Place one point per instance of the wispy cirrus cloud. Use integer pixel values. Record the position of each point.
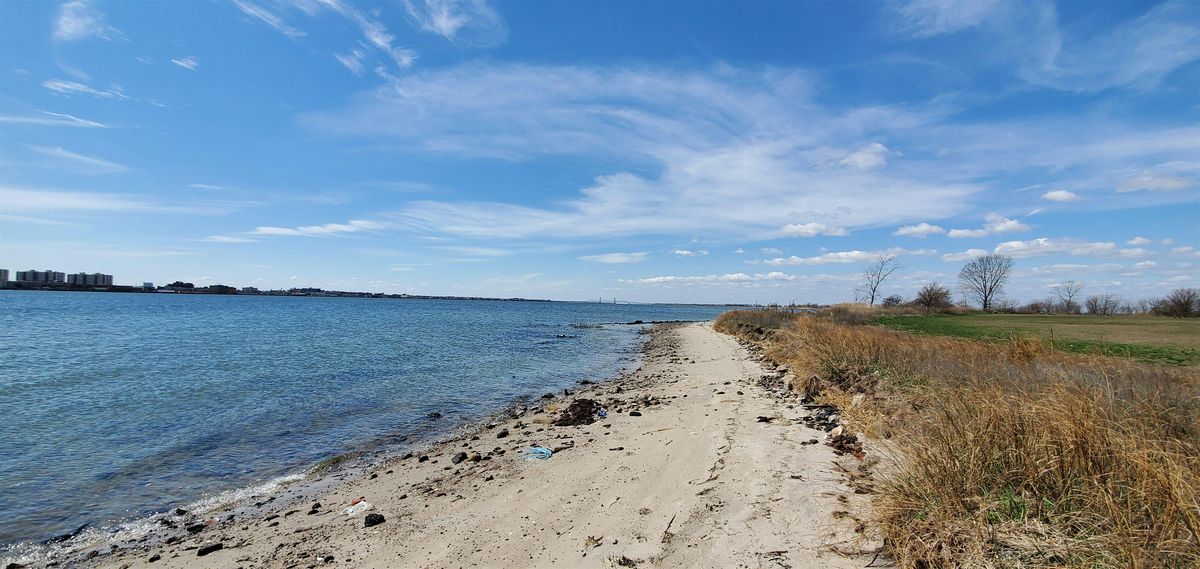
(227, 239)
(78, 20)
(81, 162)
(352, 226)
(267, 17)
(72, 87)
(616, 258)
(470, 22)
(48, 118)
(188, 63)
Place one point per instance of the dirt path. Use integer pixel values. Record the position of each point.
(697, 480)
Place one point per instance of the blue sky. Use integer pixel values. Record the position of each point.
(646, 151)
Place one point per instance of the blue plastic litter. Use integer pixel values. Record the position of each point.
(603, 413)
(538, 453)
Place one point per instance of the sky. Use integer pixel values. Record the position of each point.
(642, 151)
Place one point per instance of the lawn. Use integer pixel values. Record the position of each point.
(1154, 339)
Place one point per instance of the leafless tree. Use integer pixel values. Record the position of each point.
(874, 275)
(983, 279)
(1181, 302)
(1067, 293)
(1102, 304)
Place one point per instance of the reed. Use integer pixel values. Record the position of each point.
(1010, 454)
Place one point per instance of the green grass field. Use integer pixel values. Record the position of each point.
(1174, 341)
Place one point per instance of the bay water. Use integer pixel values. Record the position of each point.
(116, 406)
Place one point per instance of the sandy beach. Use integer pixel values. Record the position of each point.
(702, 461)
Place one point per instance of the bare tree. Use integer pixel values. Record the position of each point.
(983, 279)
(874, 275)
(1181, 302)
(1102, 304)
(1067, 293)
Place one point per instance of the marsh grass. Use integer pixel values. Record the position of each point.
(1012, 453)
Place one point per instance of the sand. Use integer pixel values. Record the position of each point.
(697, 480)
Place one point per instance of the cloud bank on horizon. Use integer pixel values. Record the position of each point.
(569, 151)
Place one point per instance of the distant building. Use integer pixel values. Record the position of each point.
(41, 277)
(90, 279)
(3, 278)
(148, 285)
(250, 290)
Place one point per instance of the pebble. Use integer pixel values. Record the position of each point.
(206, 549)
(373, 520)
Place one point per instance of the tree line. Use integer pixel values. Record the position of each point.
(982, 280)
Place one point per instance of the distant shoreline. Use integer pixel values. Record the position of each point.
(330, 294)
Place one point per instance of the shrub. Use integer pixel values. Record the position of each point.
(933, 296)
(894, 300)
(1180, 303)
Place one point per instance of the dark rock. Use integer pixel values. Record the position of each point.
(154, 558)
(270, 517)
(459, 458)
(548, 396)
(579, 412)
(423, 458)
(434, 415)
(316, 506)
(406, 456)
(762, 419)
(206, 549)
(65, 536)
(503, 433)
(476, 457)
(14, 566)
(373, 476)
(635, 413)
(373, 520)
(180, 512)
(194, 528)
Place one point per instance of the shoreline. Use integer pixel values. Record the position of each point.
(681, 472)
(277, 494)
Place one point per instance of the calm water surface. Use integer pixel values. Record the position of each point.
(115, 406)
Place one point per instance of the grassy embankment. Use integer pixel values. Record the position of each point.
(1008, 454)
(1152, 339)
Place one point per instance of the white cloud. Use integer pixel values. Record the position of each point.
(468, 22)
(267, 17)
(1054, 246)
(812, 230)
(616, 258)
(52, 119)
(226, 239)
(836, 257)
(1152, 182)
(994, 224)
(964, 255)
(81, 162)
(868, 157)
(188, 63)
(689, 253)
(69, 87)
(739, 251)
(32, 201)
(352, 60)
(79, 20)
(925, 18)
(770, 251)
(477, 251)
(1146, 265)
(1139, 241)
(919, 230)
(1186, 251)
(352, 226)
(1061, 196)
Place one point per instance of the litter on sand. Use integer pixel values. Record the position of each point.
(539, 453)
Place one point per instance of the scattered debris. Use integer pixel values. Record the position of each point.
(580, 412)
(538, 453)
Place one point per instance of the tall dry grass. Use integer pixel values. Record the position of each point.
(1013, 455)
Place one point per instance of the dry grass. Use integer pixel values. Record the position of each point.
(1012, 454)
